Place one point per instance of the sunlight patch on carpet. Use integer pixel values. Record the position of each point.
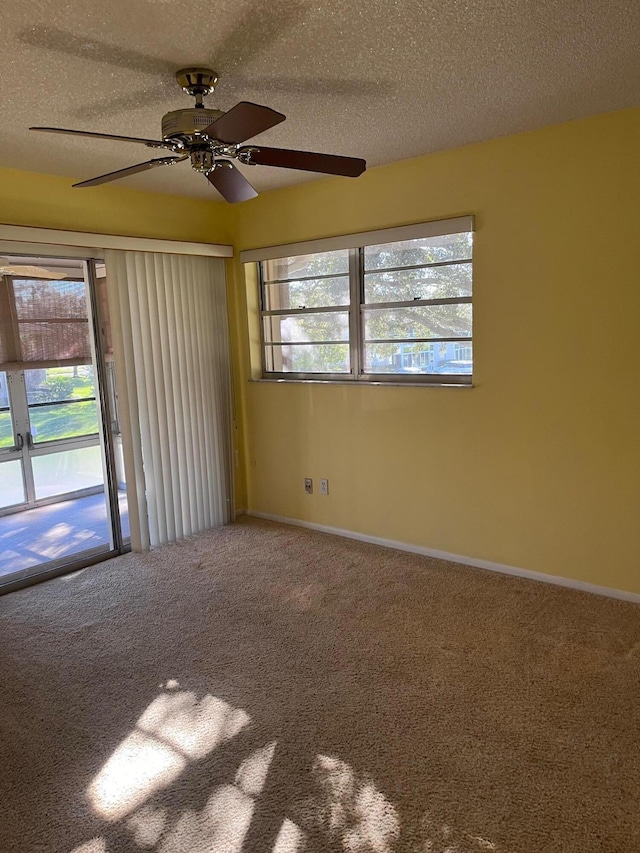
(147, 825)
(96, 845)
(439, 836)
(350, 809)
(252, 773)
(221, 826)
(175, 729)
(290, 838)
(190, 726)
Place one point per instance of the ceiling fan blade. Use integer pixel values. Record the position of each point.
(308, 161)
(242, 122)
(230, 182)
(152, 143)
(131, 170)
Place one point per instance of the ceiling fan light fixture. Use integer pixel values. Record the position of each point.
(202, 160)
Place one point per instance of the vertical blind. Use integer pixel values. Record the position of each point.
(171, 348)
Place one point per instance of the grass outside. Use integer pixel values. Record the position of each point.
(64, 420)
(77, 416)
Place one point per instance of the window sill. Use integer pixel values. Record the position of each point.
(357, 382)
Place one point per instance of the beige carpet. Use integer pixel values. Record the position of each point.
(265, 689)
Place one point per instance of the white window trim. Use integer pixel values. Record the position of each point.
(437, 228)
(26, 239)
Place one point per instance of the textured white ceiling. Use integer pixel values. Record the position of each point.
(379, 79)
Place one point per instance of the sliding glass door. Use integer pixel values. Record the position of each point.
(59, 499)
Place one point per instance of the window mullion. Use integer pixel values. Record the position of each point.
(355, 291)
(263, 348)
(291, 312)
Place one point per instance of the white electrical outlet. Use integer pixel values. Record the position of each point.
(308, 485)
(324, 487)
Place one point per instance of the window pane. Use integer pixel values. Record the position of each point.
(68, 471)
(427, 250)
(63, 420)
(6, 427)
(310, 293)
(11, 483)
(406, 358)
(55, 384)
(432, 321)
(46, 300)
(332, 326)
(59, 341)
(6, 430)
(309, 358)
(302, 266)
(450, 282)
(4, 390)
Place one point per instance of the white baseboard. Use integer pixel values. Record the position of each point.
(453, 558)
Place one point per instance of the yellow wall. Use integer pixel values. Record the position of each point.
(49, 201)
(538, 465)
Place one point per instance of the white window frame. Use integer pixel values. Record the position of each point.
(356, 243)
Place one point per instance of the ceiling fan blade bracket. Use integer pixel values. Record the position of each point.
(170, 161)
(172, 144)
(222, 150)
(244, 154)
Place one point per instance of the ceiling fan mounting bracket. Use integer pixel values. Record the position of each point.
(196, 80)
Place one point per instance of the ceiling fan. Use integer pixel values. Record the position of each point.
(27, 271)
(211, 139)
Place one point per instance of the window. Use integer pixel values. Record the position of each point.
(306, 301)
(389, 310)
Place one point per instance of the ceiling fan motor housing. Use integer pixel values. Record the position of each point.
(188, 123)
